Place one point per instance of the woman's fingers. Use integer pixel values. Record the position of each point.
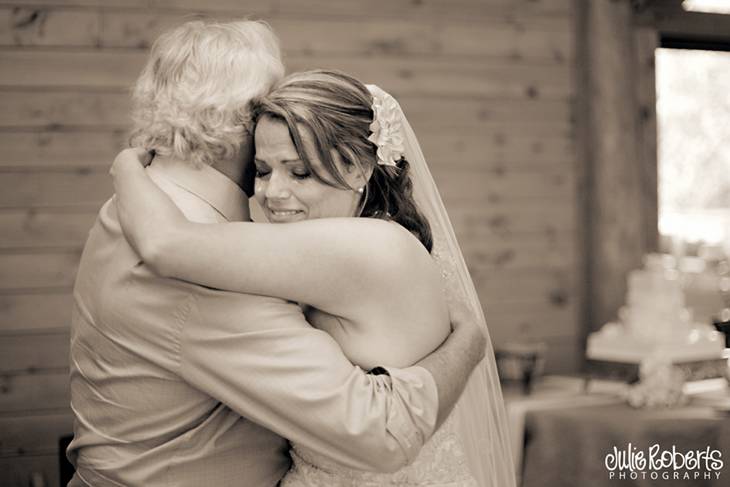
(133, 155)
(145, 156)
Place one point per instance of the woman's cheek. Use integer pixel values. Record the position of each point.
(259, 188)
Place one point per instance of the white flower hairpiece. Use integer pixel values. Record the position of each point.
(386, 128)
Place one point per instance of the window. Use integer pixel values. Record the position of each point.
(693, 116)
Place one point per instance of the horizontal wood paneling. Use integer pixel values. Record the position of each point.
(551, 287)
(541, 13)
(45, 27)
(29, 353)
(44, 228)
(496, 186)
(53, 110)
(492, 38)
(78, 188)
(414, 11)
(79, 69)
(25, 392)
(79, 3)
(30, 313)
(117, 69)
(38, 270)
(443, 77)
(474, 115)
(498, 149)
(522, 254)
(445, 9)
(60, 149)
(518, 42)
(449, 10)
(527, 218)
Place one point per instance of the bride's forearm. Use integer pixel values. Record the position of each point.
(150, 221)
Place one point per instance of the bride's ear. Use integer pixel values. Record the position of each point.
(358, 176)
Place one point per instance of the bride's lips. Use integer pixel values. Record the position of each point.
(280, 215)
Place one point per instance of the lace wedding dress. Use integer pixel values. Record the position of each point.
(441, 463)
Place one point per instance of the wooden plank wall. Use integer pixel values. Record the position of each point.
(488, 86)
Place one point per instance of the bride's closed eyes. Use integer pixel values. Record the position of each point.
(286, 188)
(296, 169)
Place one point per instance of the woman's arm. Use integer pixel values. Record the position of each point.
(334, 265)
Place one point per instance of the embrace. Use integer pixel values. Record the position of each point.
(340, 344)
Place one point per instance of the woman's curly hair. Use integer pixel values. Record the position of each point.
(192, 99)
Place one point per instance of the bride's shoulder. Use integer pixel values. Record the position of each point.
(385, 239)
(393, 253)
(372, 247)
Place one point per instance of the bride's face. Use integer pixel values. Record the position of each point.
(285, 189)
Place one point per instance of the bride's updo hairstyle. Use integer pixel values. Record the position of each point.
(337, 110)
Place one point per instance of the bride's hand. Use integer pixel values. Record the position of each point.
(131, 158)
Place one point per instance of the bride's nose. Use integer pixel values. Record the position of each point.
(278, 186)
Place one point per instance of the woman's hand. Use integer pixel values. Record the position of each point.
(131, 158)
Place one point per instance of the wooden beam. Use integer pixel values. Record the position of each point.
(581, 115)
(646, 42)
(616, 239)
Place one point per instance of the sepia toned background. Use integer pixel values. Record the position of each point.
(506, 96)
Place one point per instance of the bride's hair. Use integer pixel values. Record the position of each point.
(337, 110)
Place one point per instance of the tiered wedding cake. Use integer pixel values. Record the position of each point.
(655, 322)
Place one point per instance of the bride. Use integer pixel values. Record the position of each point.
(329, 148)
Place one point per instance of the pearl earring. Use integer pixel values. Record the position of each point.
(361, 189)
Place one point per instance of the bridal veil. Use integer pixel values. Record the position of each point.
(480, 417)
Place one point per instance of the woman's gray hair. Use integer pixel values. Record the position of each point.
(192, 99)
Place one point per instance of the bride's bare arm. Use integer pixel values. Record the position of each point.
(334, 265)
